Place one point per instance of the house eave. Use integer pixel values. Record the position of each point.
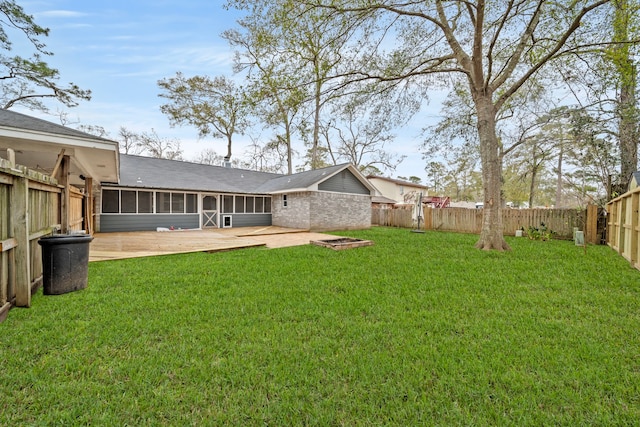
(90, 158)
(293, 190)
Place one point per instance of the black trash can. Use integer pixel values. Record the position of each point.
(65, 263)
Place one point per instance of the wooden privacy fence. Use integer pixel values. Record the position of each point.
(624, 226)
(393, 217)
(31, 206)
(463, 220)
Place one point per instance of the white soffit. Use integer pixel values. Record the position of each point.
(94, 158)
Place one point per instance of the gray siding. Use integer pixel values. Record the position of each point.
(344, 182)
(141, 222)
(248, 220)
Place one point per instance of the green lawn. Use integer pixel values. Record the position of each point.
(419, 329)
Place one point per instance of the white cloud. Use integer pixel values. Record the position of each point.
(61, 14)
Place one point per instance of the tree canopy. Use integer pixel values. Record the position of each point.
(214, 106)
(496, 47)
(28, 81)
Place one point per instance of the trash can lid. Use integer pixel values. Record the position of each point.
(63, 239)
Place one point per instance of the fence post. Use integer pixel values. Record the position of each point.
(427, 214)
(634, 253)
(88, 205)
(19, 218)
(65, 200)
(591, 225)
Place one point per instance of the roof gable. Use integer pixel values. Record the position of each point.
(312, 180)
(344, 182)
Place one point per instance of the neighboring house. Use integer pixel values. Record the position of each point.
(164, 193)
(403, 192)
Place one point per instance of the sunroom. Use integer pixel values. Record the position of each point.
(129, 209)
(157, 194)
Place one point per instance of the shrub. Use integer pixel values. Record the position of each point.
(539, 233)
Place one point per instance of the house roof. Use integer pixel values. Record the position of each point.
(153, 173)
(22, 121)
(37, 144)
(383, 199)
(398, 181)
(148, 172)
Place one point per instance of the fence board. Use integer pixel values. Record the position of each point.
(18, 201)
(392, 217)
(76, 202)
(463, 220)
(29, 209)
(6, 285)
(592, 234)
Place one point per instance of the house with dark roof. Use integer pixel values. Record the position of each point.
(134, 193)
(159, 193)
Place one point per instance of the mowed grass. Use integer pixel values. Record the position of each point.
(419, 329)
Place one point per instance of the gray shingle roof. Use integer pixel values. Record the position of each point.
(148, 172)
(21, 121)
(382, 199)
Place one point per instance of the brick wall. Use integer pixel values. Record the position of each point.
(322, 211)
(295, 214)
(340, 211)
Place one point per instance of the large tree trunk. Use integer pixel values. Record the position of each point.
(315, 161)
(628, 133)
(227, 158)
(284, 112)
(627, 109)
(532, 185)
(288, 142)
(534, 175)
(559, 177)
(491, 236)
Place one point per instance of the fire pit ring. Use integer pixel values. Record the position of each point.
(342, 243)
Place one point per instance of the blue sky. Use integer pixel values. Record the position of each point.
(120, 49)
